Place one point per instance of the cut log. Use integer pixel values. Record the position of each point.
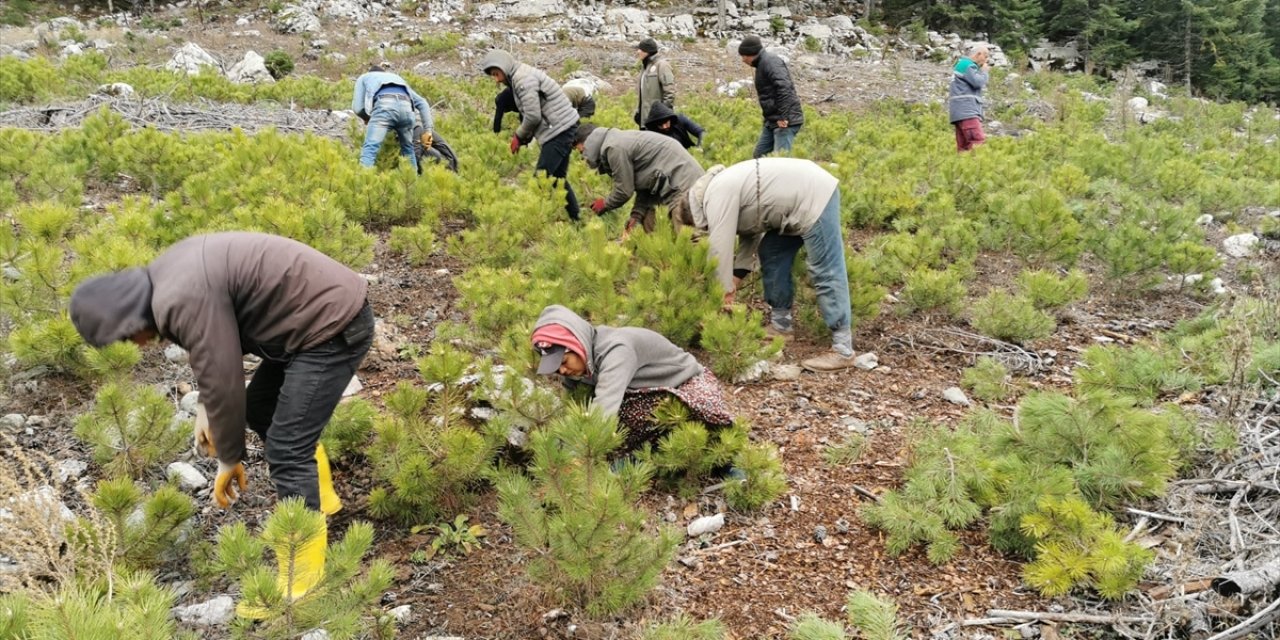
(1249, 581)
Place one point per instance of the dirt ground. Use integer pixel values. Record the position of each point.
(761, 569)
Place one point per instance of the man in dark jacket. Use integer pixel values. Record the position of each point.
(783, 116)
(653, 167)
(224, 295)
(664, 120)
(545, 114)
(964, 105)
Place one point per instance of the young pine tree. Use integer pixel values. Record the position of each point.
(147, 541)
(132, 429)
(736, 341)
(345, 601)
(580, 517)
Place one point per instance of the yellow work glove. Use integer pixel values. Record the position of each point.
(223, 492)
(427, 139)
(203, 438)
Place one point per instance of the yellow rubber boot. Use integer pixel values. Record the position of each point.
(330, 503)
(298, 572)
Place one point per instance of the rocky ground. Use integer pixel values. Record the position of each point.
(757, 571)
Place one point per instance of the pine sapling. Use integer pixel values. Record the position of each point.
(988, 379)
(1012, 318)
(132, 429)
(1078, 547)
(147, 527)
(415, 243)
(874, 617)
(763, 480)
(1047, 290)
(349, 429)
(736, 341)
(811, 626)
(580, 516)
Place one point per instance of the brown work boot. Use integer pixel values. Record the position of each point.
(829, 361)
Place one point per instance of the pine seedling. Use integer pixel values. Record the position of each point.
(1012, 318)
(1038, 225)
(132, 429)
(581, 519)
(845, 452)
(811, 626)
(672, 286)
(988, 379)
(928, 289)
(147, 527)
(442, 368)
(764, 479)
(874, 617)
(681, 627)
(1048, 291)
(345, 601)
(47, 222)
(415, 243)
(865, 295)
(1078, 547)
(51, 342)
(736, 341)
(349, 428)
(906, 522)
(1141, 372)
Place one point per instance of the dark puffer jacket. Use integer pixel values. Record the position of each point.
(685, 131)
(778, 99)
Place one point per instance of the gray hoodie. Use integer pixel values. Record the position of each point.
(622, 359)
(967, 82)
(545, 112)
(640, 161)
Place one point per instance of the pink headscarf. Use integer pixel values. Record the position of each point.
(553, 333)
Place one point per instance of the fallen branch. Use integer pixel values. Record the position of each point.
(1157, 516)
(1255, 622)
(1169, 590)
(1250, 581)
(865, 493)
(1087, 618)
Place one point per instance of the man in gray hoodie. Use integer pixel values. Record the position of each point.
(545, 115)
(964, 105)
(653, 167)
(221, 296)
(772, 207)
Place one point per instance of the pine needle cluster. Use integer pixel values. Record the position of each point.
(147, 527)
(683, 627)
(736, 341)
(988, 379)
(1012, 318)
(868, 615)
(132, 429)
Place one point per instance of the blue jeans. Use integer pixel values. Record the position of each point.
(824, 243)
(776, 139)
(389, 114)
(289, 402)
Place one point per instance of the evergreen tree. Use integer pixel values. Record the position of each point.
(1102, 28)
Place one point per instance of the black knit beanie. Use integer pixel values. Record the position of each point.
(751, 46)
(648, 45)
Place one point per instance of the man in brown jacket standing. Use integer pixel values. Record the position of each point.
(224, 295)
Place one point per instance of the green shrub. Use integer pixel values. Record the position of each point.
(690, 450)
(874, 617)
(1080, 547)
(415, 243)
(590, 545)
(132, 429)
(1048, 291)
(131, 605)
(1142, 372)
(811, 626)
(934, 290)
(763, 480)
(279, 63)
(1011, 318)
(349, 429)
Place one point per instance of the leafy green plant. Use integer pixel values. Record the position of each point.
(455, 536)
(132, 429)
(579, 516)
(876, 618)
(1014, 318)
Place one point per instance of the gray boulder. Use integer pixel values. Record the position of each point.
(190, 59)
(296, 18)
(252, 69)
(211, 613)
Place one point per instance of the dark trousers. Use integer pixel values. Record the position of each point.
(554, 159)
(288, 403)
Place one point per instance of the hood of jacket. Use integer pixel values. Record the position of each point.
(577, 325)
(591, 150)
(500, 59)
(697, 195)
(657, 113)
(112, 307)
